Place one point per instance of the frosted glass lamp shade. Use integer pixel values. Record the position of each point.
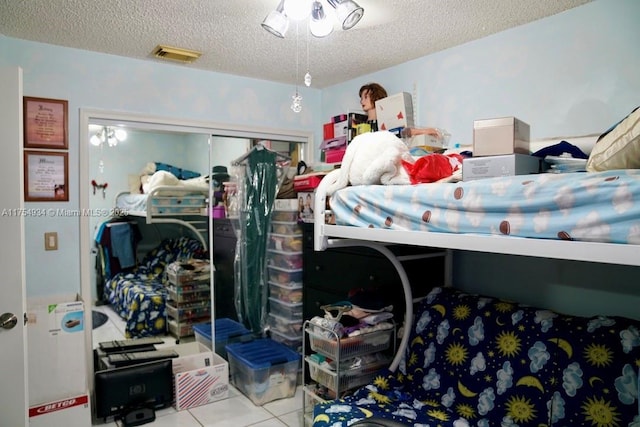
(319, 25)
(348, 11)
(276, 21)
(297, 9)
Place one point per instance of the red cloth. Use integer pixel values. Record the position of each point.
(432, 167)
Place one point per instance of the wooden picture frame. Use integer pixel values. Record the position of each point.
(46, 123)
(46, 176)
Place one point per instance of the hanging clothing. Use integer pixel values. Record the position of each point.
(261, 180)
(122, 245)
(117, 242)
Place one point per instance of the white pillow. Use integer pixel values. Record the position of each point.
(134, 184)
(619, 148)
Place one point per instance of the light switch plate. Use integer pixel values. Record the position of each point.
(51, 241)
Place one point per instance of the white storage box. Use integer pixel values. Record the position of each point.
(494, 137)
(70, 412)
(493, 166)
(201, 376)
(395, 111)
(56, 339)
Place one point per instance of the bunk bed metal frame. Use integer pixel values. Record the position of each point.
(328, 236)
(199, 227)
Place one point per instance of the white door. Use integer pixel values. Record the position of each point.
(13, 341)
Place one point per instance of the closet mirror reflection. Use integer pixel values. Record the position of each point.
(127, 165)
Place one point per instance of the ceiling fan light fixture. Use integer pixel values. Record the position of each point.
(319, 25)
(276, 21)
(348, 11)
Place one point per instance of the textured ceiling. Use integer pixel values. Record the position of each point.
(232, 41)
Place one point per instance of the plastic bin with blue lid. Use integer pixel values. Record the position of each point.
(227, 331)
(263, 370)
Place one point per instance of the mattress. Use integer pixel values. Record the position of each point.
(189, 203)
(581, 206)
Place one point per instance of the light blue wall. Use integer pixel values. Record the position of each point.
(570, 74)
(574, 73)
(106, 82)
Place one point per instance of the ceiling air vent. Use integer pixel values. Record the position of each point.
(176, 53)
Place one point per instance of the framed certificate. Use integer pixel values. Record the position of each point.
(46, 176)
(45, 123)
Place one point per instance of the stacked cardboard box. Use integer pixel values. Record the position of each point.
(500, 148)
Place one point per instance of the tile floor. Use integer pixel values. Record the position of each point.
(235, 411)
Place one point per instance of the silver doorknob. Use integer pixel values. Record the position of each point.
(8, 320)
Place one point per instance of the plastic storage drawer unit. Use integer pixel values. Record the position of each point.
(348, 347)
(284, 325)
(282, 276)
(228, 331)
(263, 370)
(291, 294)
(286, 310)
(293, 341)
(281, 227)
(284, 260)
(351, 374)
(285, 242)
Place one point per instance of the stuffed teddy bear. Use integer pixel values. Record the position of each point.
(373, 158)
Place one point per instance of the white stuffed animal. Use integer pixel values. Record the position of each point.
(373, 158)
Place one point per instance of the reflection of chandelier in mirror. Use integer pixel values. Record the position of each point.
(111, 136)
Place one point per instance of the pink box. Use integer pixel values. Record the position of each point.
(334, 156)
(218, 212)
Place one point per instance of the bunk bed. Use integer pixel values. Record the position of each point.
(186, 205)
(596, 219)
(582, 216)
(139, 294)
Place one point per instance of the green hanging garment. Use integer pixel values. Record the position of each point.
(257, 190)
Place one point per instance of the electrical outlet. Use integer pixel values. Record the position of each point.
(51, 241)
